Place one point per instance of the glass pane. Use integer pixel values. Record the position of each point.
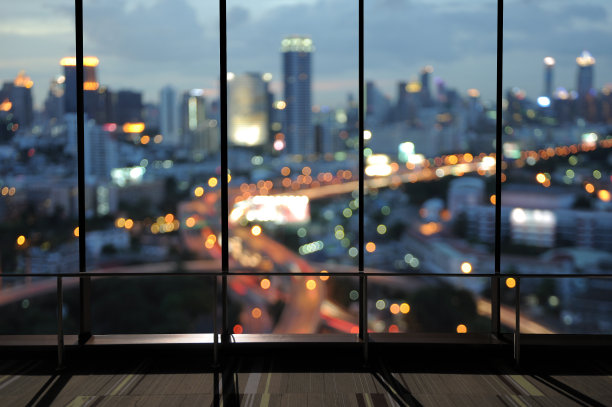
(430, 132)
(559, 306)
(293, 138)
(556, 202)
(152, 305)
(421, 305)
(38, 205)
(293, 305)
(152, 150)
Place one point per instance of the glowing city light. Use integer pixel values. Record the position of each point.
(212, 182)
(394, 309)
(190, 222)
(256, 313)
(510, 282)
(404, 308)
(198, 192)
(466, 267)
(75, 232)
(461, 329)
(543, 101)
(133, 128)
(311, 285)
(549, 61)
(324, 278)
(21, 240)
(585, 59)
(265, 283)
(604, 195)
(256, 230)
(87, 61)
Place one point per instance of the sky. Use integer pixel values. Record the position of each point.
(147, 44)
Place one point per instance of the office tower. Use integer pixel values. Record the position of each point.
(90, 84)
(128, 107)
(586, 64)
(198, 133)
(426, 99)
(19, 96)
(101, 153)
(54, 103)
(168, 115)
(297, 52)
(248, 110)
(549, 65)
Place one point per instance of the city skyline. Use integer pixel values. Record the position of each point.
(158, 61)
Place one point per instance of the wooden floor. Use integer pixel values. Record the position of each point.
(436, 379)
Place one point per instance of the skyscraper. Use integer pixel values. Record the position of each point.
(299, 135)
(168, 112)
(248, 110)
(426, 99)
(20, 95)
(549, 65)
(90, 84)
(586, 64)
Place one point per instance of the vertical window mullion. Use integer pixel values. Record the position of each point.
(495, 282)
(224, 165)
(84, 283)
(363, 303)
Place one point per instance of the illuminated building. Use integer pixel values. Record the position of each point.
(101, 153)
(16, 97)
(54, 106)
(586, 64)
(198, 133)
(168, 115)
(297, 52)
(248, 110)
(549, 65)
(90, 84)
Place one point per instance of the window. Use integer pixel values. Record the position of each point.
(162, 133)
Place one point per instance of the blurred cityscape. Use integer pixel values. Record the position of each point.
(153, 201)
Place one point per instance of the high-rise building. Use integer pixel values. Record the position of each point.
(128, 107)
(299, 136)
(248, 110)
(90, 85)
(168, 115)
(101, 153)
(549, 66)
(19, 94)
(54, 106)
(586, 64)
(426, 99)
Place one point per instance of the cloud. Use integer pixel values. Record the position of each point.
(166, 30)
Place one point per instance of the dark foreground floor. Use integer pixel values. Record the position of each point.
(254, 377)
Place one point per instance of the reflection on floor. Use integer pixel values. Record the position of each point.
(287, 378)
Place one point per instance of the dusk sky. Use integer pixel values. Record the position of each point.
(144, 45)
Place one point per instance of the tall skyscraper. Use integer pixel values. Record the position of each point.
(20, 95)
(299, 135)
(426, 99)
(90, 84)
(586, 64)
(248, 110)
(549, 66)
(168, 115)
